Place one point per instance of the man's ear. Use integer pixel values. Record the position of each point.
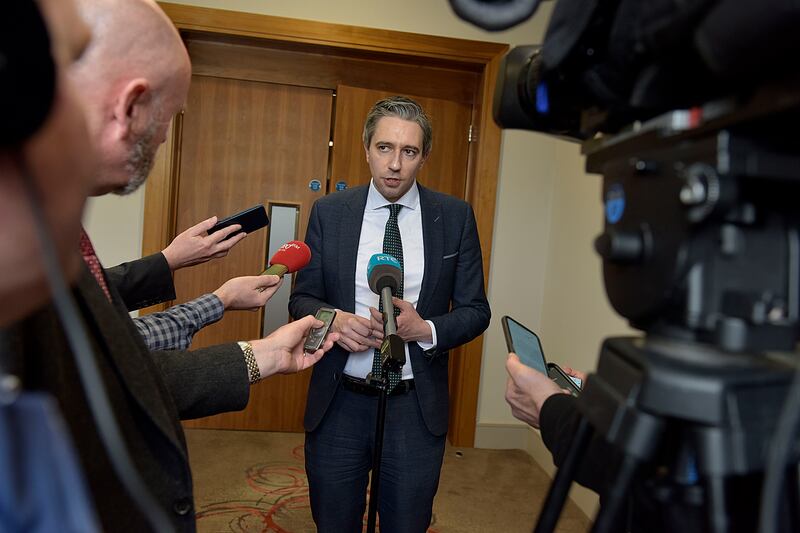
(366, 152)
(129, 104)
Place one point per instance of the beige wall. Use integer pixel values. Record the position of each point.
(543, 270)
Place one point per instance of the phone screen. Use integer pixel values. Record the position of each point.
(526, 345)
(326, 315)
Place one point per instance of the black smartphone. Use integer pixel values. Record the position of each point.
(317, 335)
(526, 344)
(250, 220)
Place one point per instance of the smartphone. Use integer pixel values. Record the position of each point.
(317, 335)
(250, 220)
(526, 344)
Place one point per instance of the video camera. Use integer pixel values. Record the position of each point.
(690, 111)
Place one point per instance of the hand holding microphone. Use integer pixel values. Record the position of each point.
(289, 258)
(384, 275)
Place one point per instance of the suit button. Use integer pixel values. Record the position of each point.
(182, 507)
(335, 376)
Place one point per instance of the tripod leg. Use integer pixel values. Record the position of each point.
(557, 495)
(792, 500)
(717, 508)
(375, 478)
(608, 514)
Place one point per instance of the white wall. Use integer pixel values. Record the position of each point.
(543, 270)
(115, 224)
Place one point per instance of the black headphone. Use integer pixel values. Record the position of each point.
(27, 71)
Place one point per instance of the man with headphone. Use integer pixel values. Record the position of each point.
(123, 403)
(43, 144)
(46, 161)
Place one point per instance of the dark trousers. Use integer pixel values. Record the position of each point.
(339, 458)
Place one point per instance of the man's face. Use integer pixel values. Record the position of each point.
(60, 163)
(145, 143)
(395, 156)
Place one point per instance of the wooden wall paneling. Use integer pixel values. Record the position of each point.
(248, 143)
(327, 70)
(481, 193)
(160, 197)
(281, 29)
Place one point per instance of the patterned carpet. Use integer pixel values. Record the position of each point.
(248, 481)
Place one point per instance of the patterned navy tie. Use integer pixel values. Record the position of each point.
(392, 245)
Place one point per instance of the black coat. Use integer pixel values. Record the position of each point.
(148, 392)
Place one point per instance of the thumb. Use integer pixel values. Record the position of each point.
(512, 363)
(267, 280)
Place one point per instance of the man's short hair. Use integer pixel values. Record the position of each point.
(403, 108)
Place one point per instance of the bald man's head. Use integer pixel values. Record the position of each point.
(134, 78)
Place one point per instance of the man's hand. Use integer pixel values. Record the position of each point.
(575, 373)
(526, 390)
(248, 293)
(195, 246)
(355, 333)
(282, 351)
(410, 326)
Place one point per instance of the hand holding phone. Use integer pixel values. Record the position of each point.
(317, 335)
(250, 220)
(525, 343)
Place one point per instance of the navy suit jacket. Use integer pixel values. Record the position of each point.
(452, 294)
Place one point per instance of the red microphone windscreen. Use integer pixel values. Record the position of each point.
(294, 255)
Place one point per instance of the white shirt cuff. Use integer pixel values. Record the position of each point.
(428, 345)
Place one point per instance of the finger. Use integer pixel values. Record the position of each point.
(308, 322)
(230, 243)
(377, 315)
(310, 359)
(402, 304)
(219, 236)
(204, 226)
(361, 326)
(330, 339)
(349, 344)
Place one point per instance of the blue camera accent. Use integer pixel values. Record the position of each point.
(615, 203)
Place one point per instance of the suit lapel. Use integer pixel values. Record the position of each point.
(433, 242)
(125, 352)
(352, 215)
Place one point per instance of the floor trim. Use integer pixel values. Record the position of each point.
(509, 436)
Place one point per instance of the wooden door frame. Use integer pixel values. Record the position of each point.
(482, 58)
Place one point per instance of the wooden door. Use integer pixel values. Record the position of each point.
(246, 143)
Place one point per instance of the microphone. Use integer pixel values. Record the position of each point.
(384, 275)
(289, 258)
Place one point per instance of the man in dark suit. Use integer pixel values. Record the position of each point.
(443, 305)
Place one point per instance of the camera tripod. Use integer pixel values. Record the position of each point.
(701, 251)
(692, 425)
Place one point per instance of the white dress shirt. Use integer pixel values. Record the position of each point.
(373, 226)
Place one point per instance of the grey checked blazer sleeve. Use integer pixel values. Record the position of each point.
(174, 328)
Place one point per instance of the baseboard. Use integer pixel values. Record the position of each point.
(505, 436)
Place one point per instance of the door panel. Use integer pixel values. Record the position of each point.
(246, 143)
(446, 168)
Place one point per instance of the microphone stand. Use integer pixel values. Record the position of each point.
(393, 357)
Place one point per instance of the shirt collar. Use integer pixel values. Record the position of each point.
(375, 200)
